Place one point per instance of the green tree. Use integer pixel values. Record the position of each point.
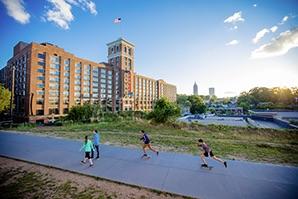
(5, 95)
(84, 113)
(164, 110)
(197, 104)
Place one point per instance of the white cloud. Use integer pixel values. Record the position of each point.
(15, 9)
(273, 28)
(255, 5)
(234, 28)
(92, 7)
(236, 17)
(284, 19)
(232, 43)
(278, 46)
(259, 35)
(61, 13)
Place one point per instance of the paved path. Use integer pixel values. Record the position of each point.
(171, 172)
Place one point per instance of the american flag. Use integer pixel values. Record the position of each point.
(117, 20)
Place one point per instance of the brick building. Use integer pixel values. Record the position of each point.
(48, 81)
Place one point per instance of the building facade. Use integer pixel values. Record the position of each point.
(47, 81)
(195, 89)
(211, 92)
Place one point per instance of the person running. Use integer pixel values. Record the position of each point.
(206, 151)
(88, 147)
(146, 144)
(96, 141)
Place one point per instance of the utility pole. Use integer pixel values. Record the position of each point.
(12, 92)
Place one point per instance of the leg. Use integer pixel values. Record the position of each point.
(92, 153)
(203, 158)
(90, 161)
(155, 151)
(144, 148)
(218, 159)
(97, 151)
(149, 146)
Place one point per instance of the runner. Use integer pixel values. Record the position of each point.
(206, 151)
(88, 147)
(146, 144)
(96, 141)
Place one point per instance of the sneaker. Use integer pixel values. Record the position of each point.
(225, 163)
(144, 155)
(204, 165)
(91, 165)
(83, 162)
(157, 153)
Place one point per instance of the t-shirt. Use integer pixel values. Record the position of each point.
(96, 138)
(87, 146)
(145, 139)
(206, 148)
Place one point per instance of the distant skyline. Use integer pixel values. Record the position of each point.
(230, 45)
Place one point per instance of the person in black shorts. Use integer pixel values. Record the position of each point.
(146, 144)
(206, 151)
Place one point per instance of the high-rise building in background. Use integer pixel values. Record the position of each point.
(211, 92)
(195, 89)
(48, 81)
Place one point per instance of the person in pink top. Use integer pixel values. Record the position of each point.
(206, 151)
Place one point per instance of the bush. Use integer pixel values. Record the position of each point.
(164, 111)
(85, 113)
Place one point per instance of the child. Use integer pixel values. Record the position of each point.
(206, 151)
(96, 141)
(146, 144)
(88, 147)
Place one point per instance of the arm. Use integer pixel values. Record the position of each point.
(82, 147)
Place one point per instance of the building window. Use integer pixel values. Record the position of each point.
(40, 78)
(39, 101)
(40, 85)
(41, 56)
(65, 111)
(53, 111)
(40, 70)
(41, 63)
(39, 112)
(66, 62)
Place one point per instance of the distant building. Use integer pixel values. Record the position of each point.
(211, 92)
(195, 89)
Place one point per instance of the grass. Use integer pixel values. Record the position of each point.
(17, 183)
(265, 145)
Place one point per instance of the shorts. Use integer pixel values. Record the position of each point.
(146, 143)
(206, 154)
(87, 155)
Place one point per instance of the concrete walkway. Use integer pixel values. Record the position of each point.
(171, 172)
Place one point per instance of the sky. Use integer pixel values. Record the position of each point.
(231, 45)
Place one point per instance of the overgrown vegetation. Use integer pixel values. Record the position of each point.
(269, 98)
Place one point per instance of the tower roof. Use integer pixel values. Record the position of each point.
(119, 40)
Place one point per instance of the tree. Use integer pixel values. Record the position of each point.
(84, 113)
(5, 95)
(164, 110)
(197, 104)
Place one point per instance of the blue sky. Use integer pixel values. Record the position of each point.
(231, 45)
